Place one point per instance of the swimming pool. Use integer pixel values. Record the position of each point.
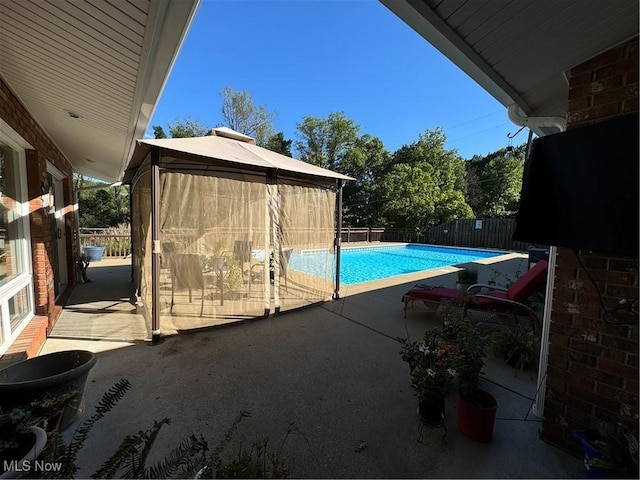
(364, 264)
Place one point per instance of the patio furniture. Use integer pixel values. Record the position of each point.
(186, 273)
(496, 301)
(285, 256)
(216, 275)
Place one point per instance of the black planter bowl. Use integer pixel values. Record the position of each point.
(56, 374)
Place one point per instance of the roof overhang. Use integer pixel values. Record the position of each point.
(520, 51)
(91, 73)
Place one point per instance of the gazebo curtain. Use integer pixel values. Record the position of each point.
(234, 244)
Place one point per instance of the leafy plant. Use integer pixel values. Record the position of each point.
(619, 454)
(129, 459)
(472, 349)
(233, 280)
(519, 347)
(431, 364)
(468, 276)
(256, 461)
(45, 412)
(119, 241)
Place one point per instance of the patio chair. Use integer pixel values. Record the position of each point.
(285, 256)
(498, 301)
(186, 273)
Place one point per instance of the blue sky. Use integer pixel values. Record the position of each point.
(320, 56)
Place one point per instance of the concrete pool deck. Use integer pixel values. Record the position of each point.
(334, 370)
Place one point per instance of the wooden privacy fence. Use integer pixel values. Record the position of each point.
(474, 233)
(477, 233)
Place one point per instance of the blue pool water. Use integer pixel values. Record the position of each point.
(359, 265)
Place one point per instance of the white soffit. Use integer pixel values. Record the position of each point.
(520, 50)
(91, 71)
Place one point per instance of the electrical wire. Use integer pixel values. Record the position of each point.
(624, 304)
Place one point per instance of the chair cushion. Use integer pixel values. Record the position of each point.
(435, 294)
(528, 283)
(483, 303)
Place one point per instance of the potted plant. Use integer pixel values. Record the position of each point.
(518, 347)
(609, 456)
(432, 373)
(55, 373)
(21, 442)
(466, 277)
(94, 252)
(476, 407)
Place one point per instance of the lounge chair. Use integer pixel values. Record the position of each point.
(511, 302)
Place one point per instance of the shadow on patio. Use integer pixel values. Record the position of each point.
(334, 370)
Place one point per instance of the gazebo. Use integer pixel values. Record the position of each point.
(224, 230)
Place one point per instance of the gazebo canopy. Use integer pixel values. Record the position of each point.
(225, 146)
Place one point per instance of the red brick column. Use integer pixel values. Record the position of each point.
(592, 374)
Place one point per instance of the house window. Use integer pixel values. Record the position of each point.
(16, 283)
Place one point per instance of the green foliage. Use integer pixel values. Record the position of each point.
(362, 198)
(619, 453)
(431, 364)
(130, 458)
(277, 143)
(16, 438)
(119, 243)
(325, 141)
(57, 451)
(240, 114)
(468, 275)
(186, 128)
(494, 183)
(233, 279)
(472, 349)
(102, 207)
(425, 184)
(158, 132)
(520, 348)
(255, 461)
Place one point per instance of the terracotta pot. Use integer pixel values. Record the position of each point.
(476, 420)
(431, 411)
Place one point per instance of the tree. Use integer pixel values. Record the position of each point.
(426, 183)
(158, 132)
(240, 114)
(495, 182)
(362, 198)
(410, 192)
(102, 207)
(278, 144)
(186, 128)
(324, 142)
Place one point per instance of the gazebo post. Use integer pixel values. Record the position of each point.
(155, 245)
(338, 240)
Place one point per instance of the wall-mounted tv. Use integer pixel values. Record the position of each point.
(580, 189)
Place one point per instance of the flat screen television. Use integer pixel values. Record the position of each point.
(580, 189)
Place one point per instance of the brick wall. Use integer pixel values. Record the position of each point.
(592, 377)
(13, 112)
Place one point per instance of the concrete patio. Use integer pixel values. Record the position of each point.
(333, 370)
